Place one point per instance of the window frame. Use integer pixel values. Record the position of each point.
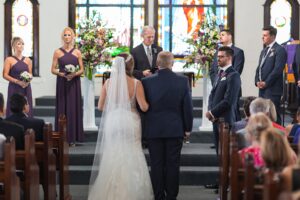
(8, 33)
(72, 14)
(294, 19)
(230, 13)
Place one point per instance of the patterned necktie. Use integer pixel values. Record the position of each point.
(265, 52)
(218, 77)
(149, 55)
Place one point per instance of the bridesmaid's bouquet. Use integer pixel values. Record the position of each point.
(26, 76)
(70, 68)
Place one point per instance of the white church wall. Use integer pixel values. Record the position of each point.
(248, 31)
(54, 17)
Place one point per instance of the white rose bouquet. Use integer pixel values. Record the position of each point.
(26, 76)
(70, 68)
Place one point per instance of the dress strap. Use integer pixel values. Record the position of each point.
(15, 57)
(71, 50)
(23, 58)
(62, 49)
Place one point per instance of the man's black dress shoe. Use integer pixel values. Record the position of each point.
(211, 186)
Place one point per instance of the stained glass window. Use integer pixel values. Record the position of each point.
(22, 19)
(177, 19)
(22, 24)
(281, 14)
(125, 17)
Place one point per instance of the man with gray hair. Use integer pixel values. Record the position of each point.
(168, 120)
(145, 54)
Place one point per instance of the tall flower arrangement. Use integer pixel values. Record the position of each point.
(203, 44)
(94, 42)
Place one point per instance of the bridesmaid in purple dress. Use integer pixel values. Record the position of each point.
(13, 67)
(68, 89)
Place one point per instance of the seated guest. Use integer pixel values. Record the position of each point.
(256, 125)
(292, 128)
(9, 129)
(291, 177)
(275, 150)
(20, 107)
(243, 123)
(273, 118)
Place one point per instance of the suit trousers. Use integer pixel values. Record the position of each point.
(165, 163)
(216, 134)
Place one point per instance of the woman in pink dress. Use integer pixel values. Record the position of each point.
(14, 66)
(256, 125)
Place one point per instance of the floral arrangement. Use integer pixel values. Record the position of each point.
(203, 44)
(26, 76)
(94, 42)
(70, 68)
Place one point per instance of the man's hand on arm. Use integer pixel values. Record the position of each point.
(147, 72)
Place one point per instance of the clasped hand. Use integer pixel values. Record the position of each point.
(261, 84)
(23, 84)
(70, 76)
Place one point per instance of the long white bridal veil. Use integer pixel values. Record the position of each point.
(116, 129)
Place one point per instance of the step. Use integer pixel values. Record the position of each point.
(50, 101)
(46, 111)
(80, 175)
(186, 192)
(196, 154)
(196, 136)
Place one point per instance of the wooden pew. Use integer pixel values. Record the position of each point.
(26, 162)
(8, 176)
(224, 159)
(47, 163)
(61, 146)
(236, 170)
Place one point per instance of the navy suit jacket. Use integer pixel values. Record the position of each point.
(238, 61)
(170, 111)
(272, 71)
(141, 62)
(224, 96)
(11, 129)
(36, 124)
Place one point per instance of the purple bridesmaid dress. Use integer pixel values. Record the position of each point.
(68, 99)
(13, 88)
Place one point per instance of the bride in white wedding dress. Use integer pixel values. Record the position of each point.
(120, 170)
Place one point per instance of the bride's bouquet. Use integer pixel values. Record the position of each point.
(26, 76)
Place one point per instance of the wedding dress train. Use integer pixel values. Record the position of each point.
(120, 170)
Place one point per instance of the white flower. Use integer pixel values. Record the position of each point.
(26, 76)
(70, 68)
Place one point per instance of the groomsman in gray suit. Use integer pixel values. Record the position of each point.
(145, 54)
(269, 77)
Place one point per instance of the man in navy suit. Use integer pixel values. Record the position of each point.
(11, 129)
(168, 120)
(238, 59)
(20, 107)
(269, 73)
(145, 54)
(224, 94)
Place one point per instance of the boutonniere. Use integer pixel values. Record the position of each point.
(223, 75)
(223, 78)
(155, 50)
(272, 52)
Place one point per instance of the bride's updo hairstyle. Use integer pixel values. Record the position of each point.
(129, 63)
